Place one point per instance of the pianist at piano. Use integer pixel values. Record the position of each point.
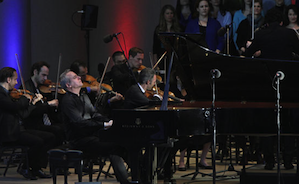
(83, 125)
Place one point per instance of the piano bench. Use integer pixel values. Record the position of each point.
(64, 159)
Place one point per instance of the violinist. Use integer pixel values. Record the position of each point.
(43, 117)
(135, 96)
(118, 58)
(13, 133)
(125, 75)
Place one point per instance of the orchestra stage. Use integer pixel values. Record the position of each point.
(255, 174)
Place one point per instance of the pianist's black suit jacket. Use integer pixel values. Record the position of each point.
(136, 98)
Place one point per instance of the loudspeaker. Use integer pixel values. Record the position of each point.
(89, 17)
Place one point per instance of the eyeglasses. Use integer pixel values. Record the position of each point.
(122, 61)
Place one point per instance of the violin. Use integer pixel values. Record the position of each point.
(48, 87)
(17, 93)
(91, 81)
(150, 93)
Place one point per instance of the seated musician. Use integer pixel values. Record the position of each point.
(125, 75)
(118, 58)
(13, 133)
(135, 96)
(84, 125)
(44, 116)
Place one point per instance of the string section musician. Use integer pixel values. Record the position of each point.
(13, 133)
(44, 116)
(135, 96)
(125, 75)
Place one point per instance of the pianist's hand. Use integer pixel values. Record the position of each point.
(108, 124)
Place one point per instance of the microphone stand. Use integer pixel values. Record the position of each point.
(214, 123)
(227, 40)
(278, 78)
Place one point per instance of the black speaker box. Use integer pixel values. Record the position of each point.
(89, 17)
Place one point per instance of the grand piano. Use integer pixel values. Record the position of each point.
(245, 97)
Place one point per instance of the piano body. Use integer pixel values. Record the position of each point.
(245, 97)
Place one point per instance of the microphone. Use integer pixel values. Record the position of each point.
(215, 73)
(279, 75)
(222, 30)
(109, 38)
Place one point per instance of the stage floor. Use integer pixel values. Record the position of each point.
(227, 177)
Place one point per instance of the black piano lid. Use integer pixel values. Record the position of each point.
(242, 79)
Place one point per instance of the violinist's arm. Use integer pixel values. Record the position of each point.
(53, 103)
(13, 106)
(117, 97)
(28, 97)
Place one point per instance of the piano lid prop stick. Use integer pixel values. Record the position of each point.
(166, 89)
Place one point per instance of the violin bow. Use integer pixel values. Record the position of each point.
(104, 72)
(159, 60)
(102, 78)
(57, 78)
(21, 76)
(152, 63)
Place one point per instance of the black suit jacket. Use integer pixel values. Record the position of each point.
(136, 98)
(35, 119)
(275, 42)
(10, 113)
(123, 78)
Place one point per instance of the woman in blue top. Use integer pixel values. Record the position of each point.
(207, 26)
(184, 11)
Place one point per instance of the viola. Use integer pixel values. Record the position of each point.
(17, 93)
(141, 68)
(150, 93)
(48, 87)
(89, 80)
